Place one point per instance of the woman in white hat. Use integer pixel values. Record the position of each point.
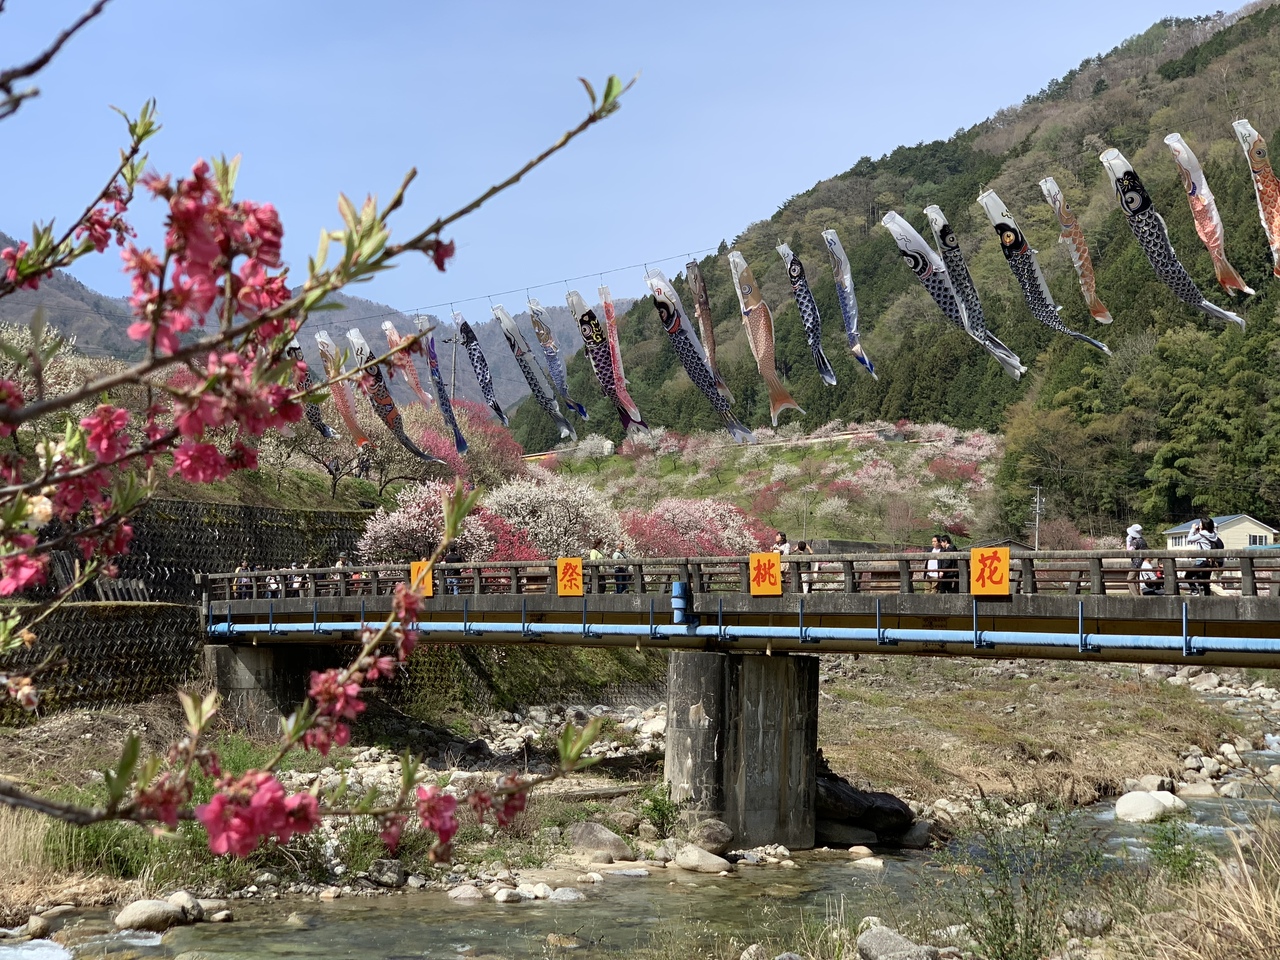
(1133, 540)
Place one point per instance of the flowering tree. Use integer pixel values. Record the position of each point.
(213, 303)
(561, 515)
(416, 528)
(679, 527)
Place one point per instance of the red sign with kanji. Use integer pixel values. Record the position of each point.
(766, 574)
(569, 576)
(989, 571)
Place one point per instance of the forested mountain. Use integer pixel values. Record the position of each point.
(1185, 416)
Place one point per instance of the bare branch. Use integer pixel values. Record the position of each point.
(9, 77)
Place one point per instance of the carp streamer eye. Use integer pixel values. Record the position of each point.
(1008, 238)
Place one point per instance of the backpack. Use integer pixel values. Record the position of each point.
(1214, 562)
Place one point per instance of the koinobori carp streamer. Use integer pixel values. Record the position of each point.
(401, 360)
(1265, 185)
(931, 271)
(975, 321)
(551, 350)
(759, 323)
(1204, 211)
(446, 405)
(847, 298)
(305, 381)
(524, 360)
(706, 325)
(479, 365)
(810, 318)
(338, 389)
(383, 404)
(1149, 230)
(615, 352)
(595, 342)
(690, 353)
(1071, 234)
(1026, 270)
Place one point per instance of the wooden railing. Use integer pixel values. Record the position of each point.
(1249, 573)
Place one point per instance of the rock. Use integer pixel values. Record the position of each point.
(754, 952)
(842, 834)
(694, 858)
(219, 916)
(1154, 781)
(416, 881)
(1145, 807)
(788, 956)
(647, 831)
(593, 836)
(566, 941)
(592, 877)
(868, 923)
(1171, 802)
(1087, 922)
(567, 895)
(467, 893)
(155, 915)
(266, 879)
(38, 928)
(296, 921)
(541, 891)
(919, 836)
(330, 893)
(840, 801)
(1197, 791)
(713, 836)
(631, 872)
(626, 821)
(388, 873)
(505, 896)
(656, 727)
(860, 853)
(881, 943)
(601, 856)
(192, 909)
(868, 863)
(1206, 682)
(1232, 791)
(61, 910)
(212, 906)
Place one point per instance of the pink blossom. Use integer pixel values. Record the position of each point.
(199, 463)
(333, 697)
(392, 827)
(262, 228)
(513, 803)
(10, 399)
(301, 814)
(381, 667)
(407, 603)
(253, 807)
(106, 439)
(441, 253)
(326, 734)
(21, 569)
(162, 799)
(11, 256)
(436, 811)
(24, 691)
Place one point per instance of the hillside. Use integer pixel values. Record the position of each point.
(1181, 419)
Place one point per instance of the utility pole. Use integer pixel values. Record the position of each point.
(453, 367)
(1037, 508)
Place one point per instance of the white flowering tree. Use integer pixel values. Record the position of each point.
(560, 514)
(415, 527)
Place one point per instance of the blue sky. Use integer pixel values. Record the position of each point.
(738, 107)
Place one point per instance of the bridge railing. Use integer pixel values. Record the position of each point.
(1251, 572)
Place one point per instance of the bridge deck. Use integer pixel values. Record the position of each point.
(1065, 605)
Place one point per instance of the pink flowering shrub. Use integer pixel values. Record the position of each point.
(679, 527)
(415, 528)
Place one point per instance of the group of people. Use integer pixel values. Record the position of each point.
(602, 550)
(1146, 576)
(805, 569)
(943, 572)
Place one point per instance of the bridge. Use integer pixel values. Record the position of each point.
(742, 697)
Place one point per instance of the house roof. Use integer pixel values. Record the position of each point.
(1218, 523)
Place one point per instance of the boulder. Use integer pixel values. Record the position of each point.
(219, 916)
(1142, 806)
(592, 836)
(836, 834)
(1153, 781)
(1234, 790)
(754, 952)
(155, 915)
(840, 802)
(713, 836)
(192, 909)
(567, 895)
(860, 853)
(1087, 922)
(626, 821)
(919, 836)
(1197, 791)
(881, 943)
(692, 857)
(868, 863)
(38, 928)
(467, 894)
(508, 896)
(388, 873)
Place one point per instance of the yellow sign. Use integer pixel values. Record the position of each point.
(766, 574)
(989, 571)
(569, 576)
(420, 577)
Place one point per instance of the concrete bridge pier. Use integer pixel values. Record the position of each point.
(742, 741)
(259, 685)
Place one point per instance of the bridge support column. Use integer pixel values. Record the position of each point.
(250, 683)
(742, 740)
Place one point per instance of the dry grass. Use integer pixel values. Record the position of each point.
(1231, 914)
(1034, 729)
(26, 881)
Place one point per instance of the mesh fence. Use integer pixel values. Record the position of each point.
(106, 654)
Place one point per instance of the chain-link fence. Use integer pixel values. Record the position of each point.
(106, 654)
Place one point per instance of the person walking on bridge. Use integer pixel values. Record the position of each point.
(1133, 540)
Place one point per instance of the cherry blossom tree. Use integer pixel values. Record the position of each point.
(561, 514)
(704, 527)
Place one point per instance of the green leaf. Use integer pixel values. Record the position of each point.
(117, 780)
(612, 89)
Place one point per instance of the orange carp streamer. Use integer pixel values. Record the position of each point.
(1204, 211)
(1073, 237)
(1265, 185)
